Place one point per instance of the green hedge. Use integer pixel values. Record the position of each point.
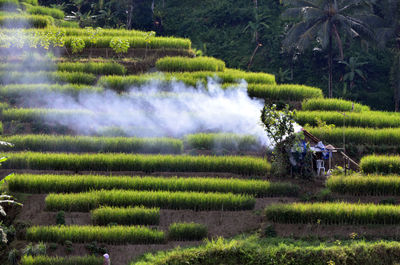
(333, 104)
(369, 185)
(46, 260)
(222, 141)
(47, 11)
(55, 143)
(333, 213)
(130, 162)
(87, 234)
(126, 216)
(23, 21)
(200, 201)
(283, 92)
(278, 252)
(380, 164)
(187, 231)
(66, 183)
(44, 77)
(185, 64)
(373, 119)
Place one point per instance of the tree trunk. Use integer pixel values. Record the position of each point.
(129, 16)
(252, 56)
(330, 66)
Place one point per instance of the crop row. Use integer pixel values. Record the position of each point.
(187, 231)
(286, 92)
(373, 119)
(131, 162)
(46, 260)
(224, 141)
(333, 213)
(104, 234)
(333, 104)
(46, 77)
(369, 185)
(66, 183)
(53, 143)
(43, 10)
(185, 64)
(32, 115)
(86, 201)
(380, 164)
(358, 136)
(138, 215)
(23, 21)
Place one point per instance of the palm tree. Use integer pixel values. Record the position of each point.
(324, 21)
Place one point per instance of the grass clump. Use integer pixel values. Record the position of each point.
(138, 215)
(187, 231)
(185, 64)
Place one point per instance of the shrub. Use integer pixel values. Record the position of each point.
(60, 218)
(333, 104)
(69, 183)
(185, 64)
(106, 234)
(126, 216)
(130, 162)
(45, 260)
(87, 201)
(187, 231)
(333, 213)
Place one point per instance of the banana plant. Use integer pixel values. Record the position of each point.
(354, 69)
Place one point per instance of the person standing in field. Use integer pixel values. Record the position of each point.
(106, 259)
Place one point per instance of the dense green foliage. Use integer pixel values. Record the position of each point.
(333, 213)
(199, 201)
(66, 183)
(131, 162)
(333, 105)
(380, 164)
(87, 234)
(184, 64)
(278, 251)
(369, 185)
(46, 260)
(126, 216)
(187, 231)
(54, 143)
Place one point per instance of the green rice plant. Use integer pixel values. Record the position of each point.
(358, 136)
(138, 215)
(380, 164)
(131, 162)
(47, 11)
(333, 104)
(43, 77)
(340, 213)
(369, 185)
(9, 4)
(28, 183)
(187, 231)
(54, 143)
(104, 234)
(98, 68)
(66, 24)
(23, 21)
(46, 260)
(185, 64)
(287, 92)
(373, 119)
(222, 141)
(10, 93)
(199, 201)
(34, 115)
(30, 2)
(1, 128)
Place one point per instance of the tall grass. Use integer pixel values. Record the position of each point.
(373, 119)
(54, 143)
(185, 64)
(380, 164)
(358, 136)
(44, 77)
(199, 201)
(333, 213)
(223, 141)
(286, 92)
(333, 104)
(369, 185)
(98, 68)
(86, 234)
(138, 215)
(187, 231)
(66, 183)
(46, 260)
(23, 21)
(130, 162)
(47, 11)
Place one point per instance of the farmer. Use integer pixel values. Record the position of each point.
(106, 259)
